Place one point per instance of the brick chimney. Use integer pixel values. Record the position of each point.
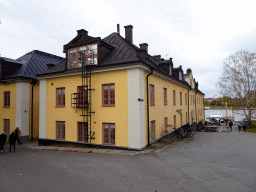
(157, 57)
(189, 70)
(128, 33)
(144, 46)
(82, 32)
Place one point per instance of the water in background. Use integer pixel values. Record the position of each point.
(238, 114)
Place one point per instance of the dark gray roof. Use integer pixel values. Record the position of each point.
(33, 63)
(13, 60)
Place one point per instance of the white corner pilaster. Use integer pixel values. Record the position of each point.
(136, 120)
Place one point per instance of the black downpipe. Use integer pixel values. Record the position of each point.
(195, 106)
(32, 106)
(188, 107)
(148, 105)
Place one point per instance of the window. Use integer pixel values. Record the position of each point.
(60, 100)
(170, 69)
(174, 121)
(165, 122)
(153, 133)
(180, 75)
(152, 97)
(180, 119)
(60, 130)
(186, 117)
(180, 98)
(191, 83)
(82, 96)
(82, 131)
(165, 96)
(74, 56)
(186, 102)
(7, 126)
(174, 102)
(7, 99)
(109, 133)
(108, 95)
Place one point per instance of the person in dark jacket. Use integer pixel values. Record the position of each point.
(244, 128)
(17, 131)
(239, 127)
(12, 140)
(2, 142)
(230, 125)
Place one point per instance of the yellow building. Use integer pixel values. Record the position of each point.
(109, 92)
(19, 92)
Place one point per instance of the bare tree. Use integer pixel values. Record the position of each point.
(238, 80)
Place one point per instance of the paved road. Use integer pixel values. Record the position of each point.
(212, 162)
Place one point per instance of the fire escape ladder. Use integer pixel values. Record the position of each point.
(86, 84)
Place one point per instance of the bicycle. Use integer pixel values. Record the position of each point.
(189, 135)
(177, 134)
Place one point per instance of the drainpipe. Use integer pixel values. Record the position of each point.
(195, 106)
(189, 107)
(148, 103)
(32, 104)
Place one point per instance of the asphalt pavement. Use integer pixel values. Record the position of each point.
(213, 161)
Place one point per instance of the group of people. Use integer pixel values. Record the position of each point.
(239, 126)
(14, 136)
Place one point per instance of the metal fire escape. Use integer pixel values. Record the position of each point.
(83, 98)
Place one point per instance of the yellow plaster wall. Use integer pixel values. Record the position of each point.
(35, 110)
(160, 111)
(117, 114)
(200, 108)
(8, 113)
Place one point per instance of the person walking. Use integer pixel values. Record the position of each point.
(2, 141)
(239, 127)
(230, 125)
(17, 132)
(244, 128)
(12, 140)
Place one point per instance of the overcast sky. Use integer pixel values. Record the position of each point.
(197, 34)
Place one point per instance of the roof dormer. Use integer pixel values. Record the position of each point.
(84, 48)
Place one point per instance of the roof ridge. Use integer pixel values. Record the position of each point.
(48, 54)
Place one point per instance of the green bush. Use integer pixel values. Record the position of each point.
(253, 124)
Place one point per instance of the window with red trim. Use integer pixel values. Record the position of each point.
(174, 121)
(82, 96)
(153, 133)
(7, 99)
(186, 117)
(180, 75)
(174, 100)
(152, 96)
(60, 130)
(186, 102)
(82, 131)
(180, 119)
(165, 122)
(7, 126)
(75, 56)
(170, 69)
(109, 133)
(180, 98)
(165, 96)
(60, 97)
(108, 95)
